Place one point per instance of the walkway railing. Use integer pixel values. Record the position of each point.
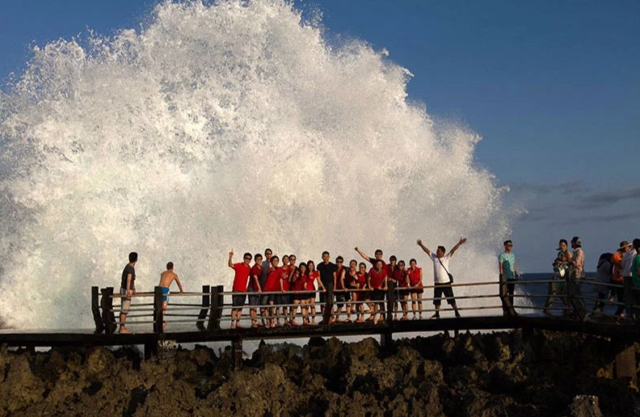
(209, 310)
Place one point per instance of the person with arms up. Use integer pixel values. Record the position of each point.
(441, 275)
(127, 289)
(240, 281)
(508, 268)
(378, 257)
(166, 278)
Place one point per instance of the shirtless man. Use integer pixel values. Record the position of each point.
(166, 278)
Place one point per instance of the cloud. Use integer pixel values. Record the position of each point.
(609, 198)
(568, 188)
(597, 218)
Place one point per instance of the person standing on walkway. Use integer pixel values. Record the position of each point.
(166, 278)
(508, 268)
(635, 275)
(560, 270)
(327, 271)
(577, 260)
(127, 289)
(441, 275)
(627, 261)
(618, 278)
(240, 281)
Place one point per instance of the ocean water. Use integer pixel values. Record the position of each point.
(218, 126)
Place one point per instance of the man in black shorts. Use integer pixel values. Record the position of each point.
(441, 275)
(327, 276)
(127, 288)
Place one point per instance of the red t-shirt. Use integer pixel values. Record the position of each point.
(362, 280)
(401, 277)
(300, 282)
(241, 278)
(285, 277)
(256, 271)
(390, 270)
(377, 278)
(351, 281)
(415, 277)
(339, 272)
(273, 279)
(311, 280)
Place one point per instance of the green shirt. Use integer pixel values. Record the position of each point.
(635, 265)
(508, 261)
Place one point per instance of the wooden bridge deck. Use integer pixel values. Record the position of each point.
(189, 334)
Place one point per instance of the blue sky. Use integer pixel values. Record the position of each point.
(553, 87)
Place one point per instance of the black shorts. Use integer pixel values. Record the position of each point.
(441, 290)
(341, 298)
(283, 299)
(238, 300)
(323, 295)
(417, 291)
(377, 295)
(265, 299)
(254, 299)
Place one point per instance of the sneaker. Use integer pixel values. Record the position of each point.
(435, 316)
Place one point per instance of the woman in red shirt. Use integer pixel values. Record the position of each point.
(361, 296)
(313, 276)
(271, 286)
(402, 279)
(416, 288)
(350, 283)
(255, 289)
(298, 283)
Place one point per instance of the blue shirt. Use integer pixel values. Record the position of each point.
(508, 261)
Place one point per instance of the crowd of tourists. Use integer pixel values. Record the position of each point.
(279, 291)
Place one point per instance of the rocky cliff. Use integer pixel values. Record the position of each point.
(499, 374)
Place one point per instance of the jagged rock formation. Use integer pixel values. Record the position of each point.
(487, 375)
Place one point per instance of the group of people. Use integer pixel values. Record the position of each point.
(615, 268)
(288, 289)
(280, 291)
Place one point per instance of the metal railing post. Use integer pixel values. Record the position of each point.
(328, 307)
(95, 309)
(391, 300)
(206, 302)
(158, 316)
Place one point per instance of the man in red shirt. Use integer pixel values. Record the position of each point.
(240, 281)
(378, 283)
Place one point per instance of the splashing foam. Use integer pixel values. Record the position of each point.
(232, 125)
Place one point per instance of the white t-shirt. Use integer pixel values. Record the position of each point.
(627, 260)
(440, 276)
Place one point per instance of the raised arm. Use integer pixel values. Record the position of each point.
(230, 263)
(424, 248)
(364, 255)
(461, 242)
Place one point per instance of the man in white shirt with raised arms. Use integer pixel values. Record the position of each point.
(442, 276)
